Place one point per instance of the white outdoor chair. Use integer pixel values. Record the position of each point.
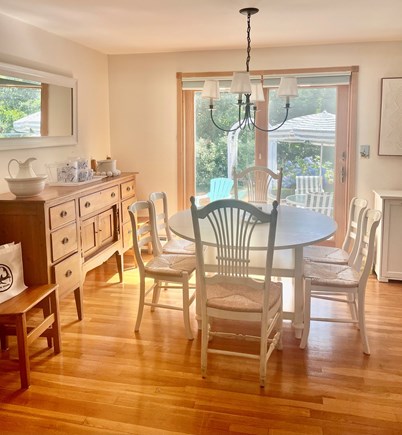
(321, 202)
(230, 292)
(330, 254)
(343, 283)
(164, 239)
(260, 183)
(308, 183)
(168, 271)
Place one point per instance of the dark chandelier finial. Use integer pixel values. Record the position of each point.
(241, 85)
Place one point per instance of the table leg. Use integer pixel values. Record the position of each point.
(298, 289)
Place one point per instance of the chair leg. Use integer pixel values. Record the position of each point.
(155, 294)
(204, 345)
(140, 305)
(362, 325)
(186, 310)
(307, 313)
(263, 353)
(351, 298)
(279, 345)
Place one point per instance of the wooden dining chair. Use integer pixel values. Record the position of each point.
(343, 283)
(230, 292)
(164, 239)
(345, 254)
(166, 271)
(261, 184)
(14, 321)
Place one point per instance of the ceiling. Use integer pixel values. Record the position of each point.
(138, 26)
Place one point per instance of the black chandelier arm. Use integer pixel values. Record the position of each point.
(270, 130)
(242, 122)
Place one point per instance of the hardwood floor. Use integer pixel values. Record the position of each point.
(109, 380)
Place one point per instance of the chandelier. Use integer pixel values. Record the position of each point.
(251, 92)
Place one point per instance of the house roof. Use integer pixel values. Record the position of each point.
(134, 26)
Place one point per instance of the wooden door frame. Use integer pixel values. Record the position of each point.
(346, 130)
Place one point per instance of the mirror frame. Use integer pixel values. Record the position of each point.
(43, 77)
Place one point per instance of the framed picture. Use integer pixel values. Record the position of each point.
(390, 137)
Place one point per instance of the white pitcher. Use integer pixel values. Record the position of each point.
(25, 168)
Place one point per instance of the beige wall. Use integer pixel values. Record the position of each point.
(27, 46)
(143, 106)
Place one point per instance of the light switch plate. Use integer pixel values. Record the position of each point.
(365, 151)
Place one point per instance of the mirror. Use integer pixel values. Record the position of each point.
(37, 109)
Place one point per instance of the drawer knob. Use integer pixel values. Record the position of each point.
(128, 188)
(113, 194)
(68, 273)
(63, 213)
(87, 204)
(65, 241)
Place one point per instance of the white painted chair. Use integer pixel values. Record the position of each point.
(308, 183)
(343, 283)
(230, 292)
(164, 239)
(261, 184)
(168, 271)
(330, 254)
(321, 202)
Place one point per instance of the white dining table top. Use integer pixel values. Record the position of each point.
(296, 227)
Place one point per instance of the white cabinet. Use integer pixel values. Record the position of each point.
(388, 260)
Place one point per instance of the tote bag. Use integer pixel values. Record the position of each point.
(11, 271)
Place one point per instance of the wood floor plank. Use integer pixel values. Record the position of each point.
(111, 380)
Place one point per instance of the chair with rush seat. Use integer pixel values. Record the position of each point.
(230, 292)
(343, 283)
(167, 271)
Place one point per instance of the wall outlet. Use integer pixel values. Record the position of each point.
(365, 151)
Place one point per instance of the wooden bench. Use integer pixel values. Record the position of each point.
(13, 321)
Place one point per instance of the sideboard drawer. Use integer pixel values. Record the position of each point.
(64, 241)
(62, 214)
(98, 200)
(67, 273)
(127, 189)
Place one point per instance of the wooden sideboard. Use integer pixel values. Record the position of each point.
(68, 230)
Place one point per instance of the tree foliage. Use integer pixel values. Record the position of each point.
(211, 143)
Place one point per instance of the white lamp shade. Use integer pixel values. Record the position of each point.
(211, 90)
(257, 92)
(288, 87)
(241, 83)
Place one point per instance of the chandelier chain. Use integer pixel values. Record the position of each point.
(248, 42)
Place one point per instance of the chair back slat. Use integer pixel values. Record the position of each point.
(259, 183)
(232, 222)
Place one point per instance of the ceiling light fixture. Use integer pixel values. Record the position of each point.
(253, 92)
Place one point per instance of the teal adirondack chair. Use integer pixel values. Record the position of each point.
(219, 188)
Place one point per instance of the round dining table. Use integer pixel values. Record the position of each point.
(296, 228)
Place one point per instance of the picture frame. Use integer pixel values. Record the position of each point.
(390, 132)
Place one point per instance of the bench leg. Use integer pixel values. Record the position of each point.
(23, 355)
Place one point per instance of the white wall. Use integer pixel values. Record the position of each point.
(27, 46)
(143, 106)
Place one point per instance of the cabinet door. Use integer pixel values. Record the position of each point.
(392, 241)
(89, 236)
(106, 227)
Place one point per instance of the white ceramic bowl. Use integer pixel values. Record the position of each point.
(24, 187)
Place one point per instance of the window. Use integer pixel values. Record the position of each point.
(316, 140)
